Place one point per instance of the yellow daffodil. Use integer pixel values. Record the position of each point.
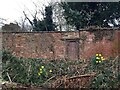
(40, 69)
(50, 71)
(42, 66)
(96, 61)
(100, 55)
(103, 59)
(39, 74)
(97, 58)
(96, 54)
(99, 61)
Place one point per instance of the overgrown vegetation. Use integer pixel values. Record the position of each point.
(41, 71)
(43, 25)
(109, 35)
(107, 72)
(26, 71)
(84, 14)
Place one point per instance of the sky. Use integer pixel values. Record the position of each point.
(12, 10)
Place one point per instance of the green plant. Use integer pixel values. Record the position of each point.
(34, 71)
(98, 59)
(20, 70)
(44, 73)
(106, 73)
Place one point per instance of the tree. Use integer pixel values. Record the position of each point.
(24, 24)
(59, 19)
(82, 14)
(43, 25)
(48, 19)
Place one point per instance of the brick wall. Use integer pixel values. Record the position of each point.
(53, 45)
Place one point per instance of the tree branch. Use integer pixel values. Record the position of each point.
(28, 18)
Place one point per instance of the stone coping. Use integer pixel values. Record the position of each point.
(87, 29)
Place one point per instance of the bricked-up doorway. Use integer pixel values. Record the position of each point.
(72, 49)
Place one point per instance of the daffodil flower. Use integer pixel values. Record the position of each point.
(42, 67)
(38, 74)
(96, 61)
(100, 55)
(50, 71)
(99, 61)
(96, 54)
(40, 71)
(103, 59)
(97, 58)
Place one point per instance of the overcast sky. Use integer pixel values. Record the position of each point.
(13, 9)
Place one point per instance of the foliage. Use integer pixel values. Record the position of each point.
(48, 18)
(33, 71)
(39, 71)
(21, 70)
(107, 75)
(100, 34)
(47, 23)
(82, 14)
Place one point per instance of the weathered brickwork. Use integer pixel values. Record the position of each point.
(53, 45)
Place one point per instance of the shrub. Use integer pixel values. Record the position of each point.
(21, 70)
(31, 71)
(107, 75)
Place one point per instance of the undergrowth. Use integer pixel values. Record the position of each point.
(38, 71)
(34, 71)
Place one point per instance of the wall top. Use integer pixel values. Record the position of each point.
(87, 29)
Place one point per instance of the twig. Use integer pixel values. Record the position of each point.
(49, 79)
(9, 77)
(86, 75)
(58, 85)
(116, 57)
(27, 18)
(14, 77)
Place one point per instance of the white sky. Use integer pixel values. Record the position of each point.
(13, 9)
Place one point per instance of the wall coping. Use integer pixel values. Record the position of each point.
(87, 29)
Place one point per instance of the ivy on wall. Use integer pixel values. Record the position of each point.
(99, 34)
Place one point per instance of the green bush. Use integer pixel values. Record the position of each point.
(21, 70)
(27, 71)
(107, 73)
(38, 71)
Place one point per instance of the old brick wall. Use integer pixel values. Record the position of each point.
(52, 45)
(108, 45)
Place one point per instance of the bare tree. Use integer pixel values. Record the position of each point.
(39, 14)
(39, 11)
